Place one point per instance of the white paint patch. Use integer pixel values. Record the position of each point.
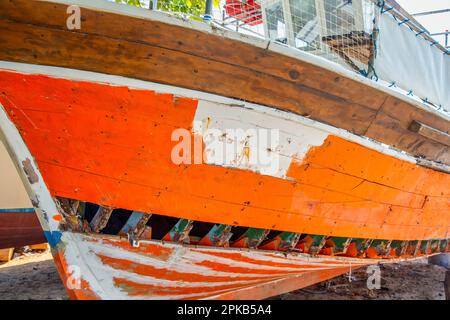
(251, 139)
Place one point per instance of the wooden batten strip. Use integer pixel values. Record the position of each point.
(252, 238)
(430, 132)
(6, 254)
(218, 236)
(135, 224)
(180, 231)
(101, 218)
(285, 241)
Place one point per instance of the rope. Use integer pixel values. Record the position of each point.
(387, 10)
(404, 21)
(420, 32)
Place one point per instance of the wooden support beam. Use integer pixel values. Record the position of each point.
(378, 248)
(285, 241)
(218, 236)
(252, 238)
(335, 246)
(444, 245)
(435, 246)
(403, 248)
(410, 248)
(425, 247)
(430, 132)
(417, 248)
(135, 224)
(101, 218)
(358, 247)
(70, 210)
(180, 231)
(311, 243)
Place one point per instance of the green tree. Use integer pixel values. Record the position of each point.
(135, 3)
(191, 7)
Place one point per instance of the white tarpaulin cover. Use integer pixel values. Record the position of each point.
(412, 62)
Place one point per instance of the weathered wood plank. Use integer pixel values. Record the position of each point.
(6, 254)
(101, 218)
(31, 44)
(41, 246)
(391, 131)
(430, 132)
(198, 43)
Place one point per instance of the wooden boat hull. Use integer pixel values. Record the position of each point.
(317, 192)
(106, 158)
(19, 227)
(118, 154)
(171, 271)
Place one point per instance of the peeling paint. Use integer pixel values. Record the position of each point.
(29, 170)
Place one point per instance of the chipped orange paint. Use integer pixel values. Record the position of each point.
(139, 289)
(241, 257)
(183, 279)
(113, 144)
(286, 285)
(84, 291)
(217, 266)
(162, 273)
(145, 249)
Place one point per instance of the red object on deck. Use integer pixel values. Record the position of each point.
(248, 12)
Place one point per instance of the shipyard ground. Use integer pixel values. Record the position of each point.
(33, 276)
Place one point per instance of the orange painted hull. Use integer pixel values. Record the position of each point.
(96, 151)
(113, 144)
(19, 228)
(106, 149)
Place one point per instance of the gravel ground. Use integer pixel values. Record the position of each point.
(415, 280)
(33, 276)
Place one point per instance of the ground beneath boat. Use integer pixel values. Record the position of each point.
(33, 276)
(416, 280)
